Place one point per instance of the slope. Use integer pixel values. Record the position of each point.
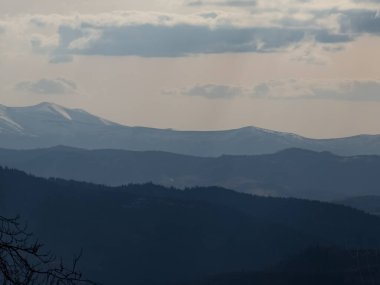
(127, 232)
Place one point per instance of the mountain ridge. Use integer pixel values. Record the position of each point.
(48, 124)
(287, 173)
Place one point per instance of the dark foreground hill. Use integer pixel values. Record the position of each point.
(47, 125)
(147, 234)
(314, 266)
(369, 204)
(289, 173)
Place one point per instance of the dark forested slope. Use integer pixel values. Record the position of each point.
(314, 266)
(147, 234)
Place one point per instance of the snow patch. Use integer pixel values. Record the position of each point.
(51, 108)
(105, 122)
(277, 133)
(8, 121)
(61, 111)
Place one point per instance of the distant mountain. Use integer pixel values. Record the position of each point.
(289, 173)
(128, 232)
(47, 125)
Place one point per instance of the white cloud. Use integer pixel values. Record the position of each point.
(213, 91)
(45, 86)
(347, 90)
(290, 89)
(227, 3)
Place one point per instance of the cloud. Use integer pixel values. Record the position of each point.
(261, 90)
(239, 3)
(212, 91)
(367, 1)
(266, 28)
(282, 89)
(60, 58)
(350, 90)
(360, 21)
(47, 86)
(347, 90)
(179, 40)
(160, 35)
(231, 3)
(208, 15)
(290, 89)
(313, 53)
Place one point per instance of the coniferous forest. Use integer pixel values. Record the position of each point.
(202, 234)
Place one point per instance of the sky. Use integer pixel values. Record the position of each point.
(302, 66)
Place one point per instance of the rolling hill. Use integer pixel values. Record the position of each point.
(289, 173)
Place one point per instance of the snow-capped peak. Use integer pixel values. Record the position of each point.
(52, 108)
(62, 111)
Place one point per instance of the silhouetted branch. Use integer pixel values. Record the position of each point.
(23, 261)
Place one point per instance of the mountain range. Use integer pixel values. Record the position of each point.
(149, 234)
(288, 173)
(48, 124)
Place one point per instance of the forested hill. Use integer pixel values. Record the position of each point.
(314, 266)
(369, 204)
(148, 234)
(289, 173)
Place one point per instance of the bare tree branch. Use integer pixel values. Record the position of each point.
(23, 261)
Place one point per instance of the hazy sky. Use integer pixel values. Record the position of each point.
(306, 66)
